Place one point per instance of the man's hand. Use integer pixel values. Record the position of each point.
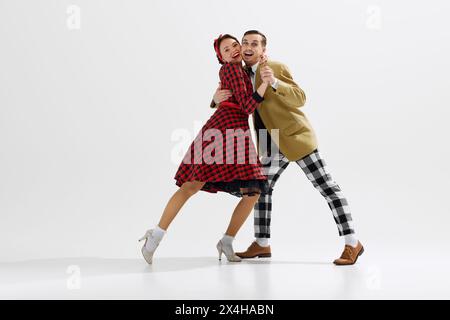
(221, 95)
(267, 75)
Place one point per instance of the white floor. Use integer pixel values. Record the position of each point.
(423, 276)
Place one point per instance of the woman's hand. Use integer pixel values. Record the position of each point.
(263, 60)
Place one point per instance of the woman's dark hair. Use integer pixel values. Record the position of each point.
(217, 43)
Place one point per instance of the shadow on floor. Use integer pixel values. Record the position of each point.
(62, 268)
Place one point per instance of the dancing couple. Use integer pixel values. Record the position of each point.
(222, 157)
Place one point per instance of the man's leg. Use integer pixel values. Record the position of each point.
(316, 170)
(273, 167)
(263, 208)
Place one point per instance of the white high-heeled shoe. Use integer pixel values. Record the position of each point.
(148, 254)
(228, 251)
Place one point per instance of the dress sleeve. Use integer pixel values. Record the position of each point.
(232, 75)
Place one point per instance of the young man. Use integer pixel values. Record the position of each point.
(293, 141)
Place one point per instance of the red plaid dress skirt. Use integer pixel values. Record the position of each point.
(223, 154)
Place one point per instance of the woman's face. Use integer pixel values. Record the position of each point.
(230, 50)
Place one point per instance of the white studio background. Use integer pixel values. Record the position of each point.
(94, 93)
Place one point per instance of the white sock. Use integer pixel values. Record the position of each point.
(158, 233)
(351, 240)
(153, 242)
(228, 240)
(262, 242)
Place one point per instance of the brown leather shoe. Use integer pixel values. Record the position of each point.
(255, 250)
(350, 255)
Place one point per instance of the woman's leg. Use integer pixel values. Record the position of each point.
(241, 213)
(154, 236)
(176, 202)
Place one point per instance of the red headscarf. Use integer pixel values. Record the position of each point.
(217, 49)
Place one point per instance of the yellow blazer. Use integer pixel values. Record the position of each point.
(281, 110)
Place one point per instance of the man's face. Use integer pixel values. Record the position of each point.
(252, 49)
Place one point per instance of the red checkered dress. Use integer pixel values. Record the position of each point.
(223, 154)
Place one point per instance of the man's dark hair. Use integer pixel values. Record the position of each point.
(264, 39)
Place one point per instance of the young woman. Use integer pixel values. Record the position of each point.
(200, 170)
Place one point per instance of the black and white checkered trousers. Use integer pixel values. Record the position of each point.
(316, 170)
